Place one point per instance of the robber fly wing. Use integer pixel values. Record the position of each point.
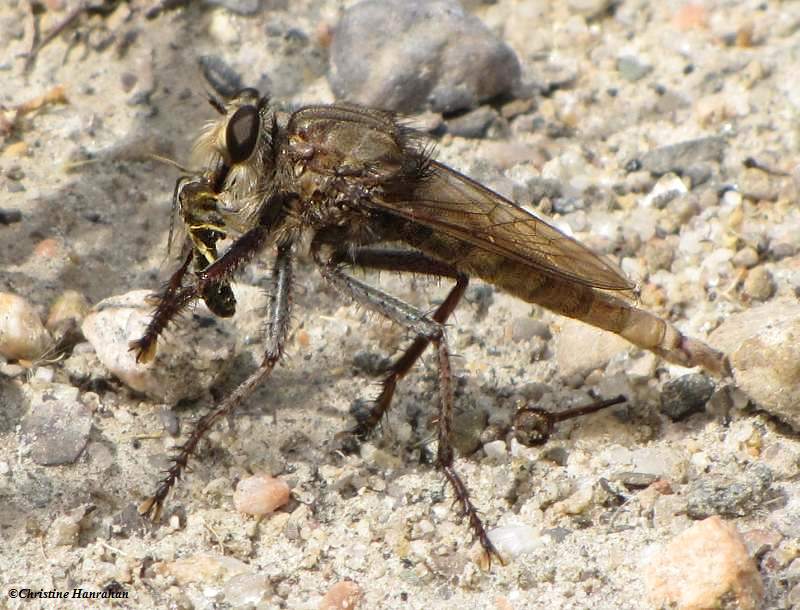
(449, 201)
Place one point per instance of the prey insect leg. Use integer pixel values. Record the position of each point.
(277, 329)
(407, 261)
(431, 331)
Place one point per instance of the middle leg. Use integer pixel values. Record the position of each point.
(407, 261)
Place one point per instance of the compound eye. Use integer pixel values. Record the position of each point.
(241, 133)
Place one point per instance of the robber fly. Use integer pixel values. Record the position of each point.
(365, 188)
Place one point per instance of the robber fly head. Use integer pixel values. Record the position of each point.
(231, 149)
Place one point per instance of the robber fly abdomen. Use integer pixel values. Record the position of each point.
(579, 301)
(366, 189)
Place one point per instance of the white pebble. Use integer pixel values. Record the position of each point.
(260, 494)
(515, 540)
(496, 450)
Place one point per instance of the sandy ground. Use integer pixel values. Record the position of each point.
(95, 217)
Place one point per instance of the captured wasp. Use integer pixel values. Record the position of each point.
(365, 188)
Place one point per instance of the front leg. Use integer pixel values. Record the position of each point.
(277, 330)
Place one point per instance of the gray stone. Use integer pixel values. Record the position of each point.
(539, 188)
(734, 495)
(680, 157)
(220, 75)
(634, 480)
(407, 55)
(631, 68)
(57, 424)
(240, 7)
(524, 329)
(371, 363)
(685, 395)
(474, 123)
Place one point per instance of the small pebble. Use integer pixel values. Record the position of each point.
(780, 249)
(667, 188)
(222, 29)
(707, 566)
(759, 284)
(515, 540)
(240, 7)
(205, 568)
(757, 185)
(467, 429)
(65, 317)
(9, 216)
(473, 124)
(682, 156)
(632, 68)
(220, 75)
(65, 529)
(581, 348)
(247, 590)
(588, 8)
(496, 450)
(260, 494)
(22, 334)
(344, 595)
(69, 306)
(747, 257)
(635, 480)
(685, 395)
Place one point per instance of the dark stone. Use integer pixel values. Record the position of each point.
(539, 188)
(686, 395)
(371, 363)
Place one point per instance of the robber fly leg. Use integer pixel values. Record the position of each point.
(407, 261)
(170, 302)
(431, 331)
(279, 309)
(445, 455)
